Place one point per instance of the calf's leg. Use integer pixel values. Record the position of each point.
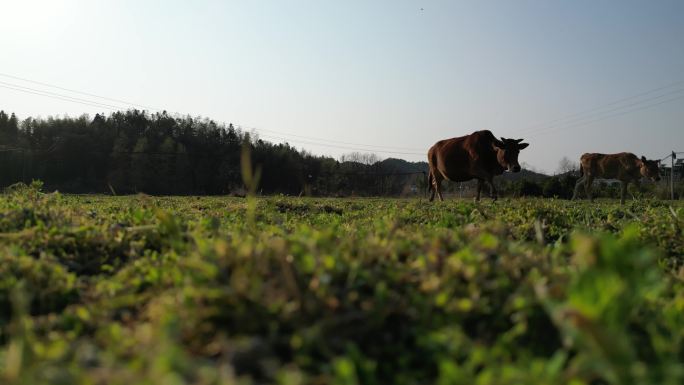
(587, 187)
(623, 191)
(577, 187)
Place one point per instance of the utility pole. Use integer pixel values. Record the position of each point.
(672, 160)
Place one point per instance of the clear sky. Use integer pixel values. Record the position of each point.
(372, 73)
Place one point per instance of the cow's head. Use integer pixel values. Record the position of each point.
(507, 151)
(650, 169)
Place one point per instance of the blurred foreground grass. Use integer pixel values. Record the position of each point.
(174, 290)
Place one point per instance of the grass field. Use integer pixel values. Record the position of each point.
(215, 290)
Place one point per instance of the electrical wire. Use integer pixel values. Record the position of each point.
(618, 101)
(611, 116)
(264, 132)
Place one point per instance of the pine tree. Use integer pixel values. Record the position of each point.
(166, 166)
(140, 166)
(119, 165)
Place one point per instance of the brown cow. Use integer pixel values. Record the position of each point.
(479, 155)
(625, 167)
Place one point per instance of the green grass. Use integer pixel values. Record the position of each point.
(208, 290)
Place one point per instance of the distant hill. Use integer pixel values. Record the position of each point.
(401, 165)
(524, 174)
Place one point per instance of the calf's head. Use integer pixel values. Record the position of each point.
(507, 151)
(650, 169)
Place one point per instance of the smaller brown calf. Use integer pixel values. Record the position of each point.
(625, 167)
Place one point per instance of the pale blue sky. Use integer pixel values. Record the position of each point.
(370, 72)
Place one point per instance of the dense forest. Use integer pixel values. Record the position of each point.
(156, 153)
(136, 151)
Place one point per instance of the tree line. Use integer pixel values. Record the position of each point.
(159, 153)
(162, 154)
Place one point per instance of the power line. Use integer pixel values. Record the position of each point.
(670, 155)
(175, 153)
(584, 112)
(612, 115)
(48, 93)
(77, 92)
(64, 98)
(371, 173)
(336, 141)
(12, 150)
(342, 147)
(372, 148)
(577, 117)
(596, 115)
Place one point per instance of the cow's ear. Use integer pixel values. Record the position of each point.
(503, 139)
(523, 145)
(498, 144)
(518, 140)
(643, 159)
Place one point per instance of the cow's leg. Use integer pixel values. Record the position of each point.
(431, 186)
(623, 191)
(588, 179)
(437, 185)
(577, 186)
(492, 189)
(479, 190)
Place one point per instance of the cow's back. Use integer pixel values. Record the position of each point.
(450, 158)
(622, 165)
(458, 159)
